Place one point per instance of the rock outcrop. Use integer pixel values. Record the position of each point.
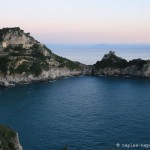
(113, 65)
(51, 74)
(15, 37)
(23, 59)
(9, 139)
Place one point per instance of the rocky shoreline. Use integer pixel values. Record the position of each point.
(135, 70)
(113, 65)
(52, 74)
(24, 60)
(9, 139)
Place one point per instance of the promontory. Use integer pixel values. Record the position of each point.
(23, 59)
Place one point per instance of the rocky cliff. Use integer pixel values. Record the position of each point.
(114, 65)
(9, 139)
(23, 59)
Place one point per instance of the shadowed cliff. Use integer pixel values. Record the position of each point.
(112, 65)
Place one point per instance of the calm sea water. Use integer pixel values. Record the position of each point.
(86, 113)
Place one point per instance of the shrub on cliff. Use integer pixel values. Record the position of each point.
(67, 63)
(4, 61)
(24, 67)
(9, 139)
(111, 64)
(137, 62)
(38, 66)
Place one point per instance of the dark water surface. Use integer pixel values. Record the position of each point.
(86, 113)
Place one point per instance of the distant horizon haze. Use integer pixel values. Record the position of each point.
(89, 54)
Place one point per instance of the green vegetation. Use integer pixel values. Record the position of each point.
(72, 65)
(138, 62)
(15, 50)
(67, 63)
(29, 66)
(4, 62)
(15, 59)
(112, 62)
(37, 53)
(6, 30)
(6, 136)
(24, 67)
(47, 49)
(34, 67)
(7, 49)
(19, 48)
(34, 61)
(37, 66)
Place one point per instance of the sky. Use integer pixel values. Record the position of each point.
(80, 21)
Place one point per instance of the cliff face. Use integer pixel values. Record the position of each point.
(51, 74)
(15, 37)
(9, 139)
(24, 59)
(114, 65)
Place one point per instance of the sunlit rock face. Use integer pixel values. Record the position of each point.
(15, 37)
(23, 60)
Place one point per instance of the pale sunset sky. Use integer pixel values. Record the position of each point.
(80, 21)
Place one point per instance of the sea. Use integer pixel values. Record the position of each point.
(90, 54)
(85, 112)
(81, 113)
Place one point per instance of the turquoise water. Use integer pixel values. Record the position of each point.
(86, 113)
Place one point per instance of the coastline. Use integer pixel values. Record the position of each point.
(53, 74)
(72, 76)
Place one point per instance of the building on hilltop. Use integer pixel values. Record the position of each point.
(4, 44)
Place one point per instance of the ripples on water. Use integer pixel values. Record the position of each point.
(86, 113)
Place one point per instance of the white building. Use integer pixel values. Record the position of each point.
(4, 44)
